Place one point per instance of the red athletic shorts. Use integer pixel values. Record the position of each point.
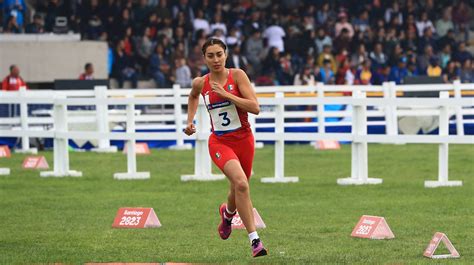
(239, 146)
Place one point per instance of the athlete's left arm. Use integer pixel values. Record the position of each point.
(248, 102)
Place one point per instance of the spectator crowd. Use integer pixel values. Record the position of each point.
(276, 42)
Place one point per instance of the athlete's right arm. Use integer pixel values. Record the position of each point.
(193, 102)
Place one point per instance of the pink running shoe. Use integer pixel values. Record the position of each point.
(258, 249)
(225, 227)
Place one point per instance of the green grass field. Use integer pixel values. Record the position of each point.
(68, 220)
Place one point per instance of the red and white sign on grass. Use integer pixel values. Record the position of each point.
(238, 224)
(327, 145)
(35, 162)
(434, 243)
(136, 218)
(4, 151)
(140, 148)
(373, 227)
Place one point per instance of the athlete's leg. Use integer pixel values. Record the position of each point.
(234, 172)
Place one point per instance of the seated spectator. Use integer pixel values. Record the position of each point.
(275, 34)
(362, 22)
(381, 75)
(304, 77)
(182, 73)
(467, 72)
(88, 72)
(326, 75)
(451, 72)
(461, 55)
(12, 26)
(424, 59)
(377, 56)
(433, 68)
(322, 39)
(36, 26)
(13, 81)
(445, 23)
(364, 74)
(343, 23)
(399, 71)
(327, 55)
(424, 23)
(235, 59)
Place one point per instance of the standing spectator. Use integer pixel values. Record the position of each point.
(159, 67)
(124, 66)
(16, 9)
(36, 26)
(144, 50)
(13, 81)
(393, 12)
(255, 52)
(275, 34)
(88, 72)
(182, 73)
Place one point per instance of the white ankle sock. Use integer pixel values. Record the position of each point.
(228, 215)
(252, 236)
(229, 212)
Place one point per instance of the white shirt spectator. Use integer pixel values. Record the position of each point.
(421, 25)
(220, 26)
(275, 35)
(200, 23)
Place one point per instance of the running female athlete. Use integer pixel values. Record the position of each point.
(228, 96)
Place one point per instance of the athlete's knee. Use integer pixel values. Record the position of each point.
(241, 186)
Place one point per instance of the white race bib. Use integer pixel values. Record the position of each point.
(224, 116)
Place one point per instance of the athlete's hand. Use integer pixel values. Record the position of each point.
(218, 89)
(190, 129)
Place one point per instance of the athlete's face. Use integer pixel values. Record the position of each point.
(215, 58)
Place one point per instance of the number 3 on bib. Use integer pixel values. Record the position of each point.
(225, 118)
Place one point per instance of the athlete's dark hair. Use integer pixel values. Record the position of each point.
(213, 41)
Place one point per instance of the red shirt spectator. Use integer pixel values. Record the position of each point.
(88, 72)
(13, 81)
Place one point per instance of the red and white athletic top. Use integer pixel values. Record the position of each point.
(226, 118)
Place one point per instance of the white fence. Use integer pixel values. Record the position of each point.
(356, 115)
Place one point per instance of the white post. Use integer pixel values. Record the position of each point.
(102, 111)
(359, 166)
(387, 109)
(443, 153)
(178, 120)
(393, 108)
(458, 109)
(131, 149)
(280, 144)
(202, 160)
(321, 115)
(61, 145)
(25, 140)
(252, 122)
